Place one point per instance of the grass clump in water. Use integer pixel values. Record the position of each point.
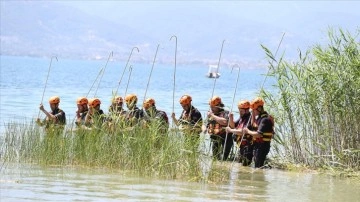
(142, 150)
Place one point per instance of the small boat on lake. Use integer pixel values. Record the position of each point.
(213, 72)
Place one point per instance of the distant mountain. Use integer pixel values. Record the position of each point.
(38, 28)
(45, 28)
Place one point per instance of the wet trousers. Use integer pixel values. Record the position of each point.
(218, 144)
(261, 149)
(246, 154)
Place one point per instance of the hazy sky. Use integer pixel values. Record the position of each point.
(264, 11)
(286, 16)
(203, 25)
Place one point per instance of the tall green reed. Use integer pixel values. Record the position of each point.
(146, 149)
(317, 106)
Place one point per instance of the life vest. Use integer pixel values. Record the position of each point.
(60, 116)
(134, 113)
(83, 115)
(97, 118)
(268, 135)
(162, 115)
(273, 122)
(116, 110)
(81, 120)
(191, 118)
(214, 127)
(185, 117)
(242, 124)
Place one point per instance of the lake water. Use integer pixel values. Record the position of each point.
(22, 84)
(33, 183)
(23, 81)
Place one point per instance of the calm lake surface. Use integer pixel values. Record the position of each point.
(21, 88)
(23, 81)
(33, 183)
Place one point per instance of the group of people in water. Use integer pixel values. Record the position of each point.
(251, 132)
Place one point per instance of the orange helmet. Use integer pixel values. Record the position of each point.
(148, 103)
(215, 101)
(244, 104)
(185, 99)
(94, 102)
(118, 99)
(54, 100)
(257, 102)
(130, 98)
(82, 100)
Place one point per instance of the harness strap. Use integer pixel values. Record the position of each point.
(267, 137)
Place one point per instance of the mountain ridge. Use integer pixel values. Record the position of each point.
(38, 29)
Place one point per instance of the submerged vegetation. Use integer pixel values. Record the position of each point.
(317, 105)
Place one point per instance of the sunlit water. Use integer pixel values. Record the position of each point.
(22, 85)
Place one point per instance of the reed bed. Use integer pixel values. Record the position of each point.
(142, 150)
(316, 104)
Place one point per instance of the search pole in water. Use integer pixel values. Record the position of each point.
(47, 77)
(117, 89)
(100, 72)
(127, 85)
(110, 55)
(262, 86)
(232, 105)
(218, 66)
(174, 76)
(213, 90)
(148, 83)
(147, 86)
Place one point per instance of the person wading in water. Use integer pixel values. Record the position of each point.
(217, 121)
(55, 119)
(262, 131)
(243, 141)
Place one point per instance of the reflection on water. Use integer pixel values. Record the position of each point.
(34, 183)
